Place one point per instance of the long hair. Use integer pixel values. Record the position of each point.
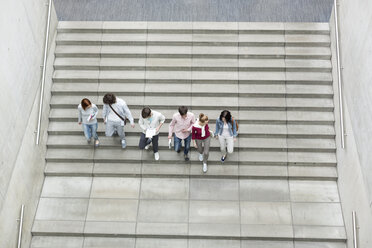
(85, 103)
(227, 115)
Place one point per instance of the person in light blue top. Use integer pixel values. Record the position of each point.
(226, 132)
(88, 117)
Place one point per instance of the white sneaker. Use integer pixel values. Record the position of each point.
(205, 167)
(157, 156)
(201, 157)
(147, 147)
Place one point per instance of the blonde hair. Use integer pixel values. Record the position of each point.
(203, 118)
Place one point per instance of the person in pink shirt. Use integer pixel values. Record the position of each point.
(181, 125)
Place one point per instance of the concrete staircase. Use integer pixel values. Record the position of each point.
(278, 190)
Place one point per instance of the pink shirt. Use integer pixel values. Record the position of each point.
(178, 124)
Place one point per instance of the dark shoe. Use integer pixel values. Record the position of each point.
(223, 158)
(186, 157)
(178, 151)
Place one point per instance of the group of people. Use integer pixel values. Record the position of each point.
(184, 126)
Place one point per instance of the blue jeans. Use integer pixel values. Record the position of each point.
(90, 130)
(178, 142)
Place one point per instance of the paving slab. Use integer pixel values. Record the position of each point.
(220, 50)
(314, 191)
(213, 230)
(263, 231)
(167, 229)
(115, 187)
(277, 27)
(71, 187)
(180, 169)
(313, 172)
(267, 244)
(53, 209)
(111, 26)
(163, 211)
(165, 188)
(317, 214)
(265, 213)
(202, 243)
(263, 171)
(300, 244)
(219, 212)
(91, 76)
(214, 189)
(169, 26)
(78, 51)
(117, 168)
(123, 38)
(57, 242)
(257, 51)
(254, 190)
(74, 88)
(164, 243)
(263, 157)
(120, 210)
(308, 52)
(57, 227)
(98, 242)
(320, 232)
(112, 51)
(69, 168)
(102, 228)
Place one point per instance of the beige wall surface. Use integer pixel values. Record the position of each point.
(22, 27)
(354, 162)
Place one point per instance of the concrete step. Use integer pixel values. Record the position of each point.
(202, 102)
(194, 90)
(242, 144)
(225, 52)
(118, 155)
(187, 64)
(90, 242)
(197, 38)
(193, 27)
(192, 170)
(245, 130)
(243, 116)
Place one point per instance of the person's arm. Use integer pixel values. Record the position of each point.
(142, 124)
(80, 115)
(161, 120)
(192, 122)
(235, 133)
(95, 110)
(171, 127)
(193, 136)
(217, 128)
(128, 114)
(105, 112)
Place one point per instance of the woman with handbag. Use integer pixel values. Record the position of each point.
(226, 131)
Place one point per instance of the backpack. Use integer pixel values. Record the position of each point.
(236, 123)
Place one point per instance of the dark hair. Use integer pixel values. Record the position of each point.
(109, 98)
(227, 115)
(85, 103)
(182, 110)
(146, 112)
(203, 118)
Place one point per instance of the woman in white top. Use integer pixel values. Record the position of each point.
(226, 129)
(88, 117)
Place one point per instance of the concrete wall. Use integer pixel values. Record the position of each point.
(354, 163)
(22, 27)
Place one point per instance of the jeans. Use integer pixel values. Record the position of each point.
(112, 126)
(178, 142)
(146, 141)
(226, 142)
(90, 130)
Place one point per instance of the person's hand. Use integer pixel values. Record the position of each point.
(157, 129)
(216, 136)
(185, 130)
(132, 125)
(169, 136)
(195, 145)
(79, 122)
(234, 139)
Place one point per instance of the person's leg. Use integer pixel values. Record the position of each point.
(110, 128)
(94, 131)
(230, 144)
(86, 130)
(177, 144)
(142, 142)
(187, 145)
(155, 143)
(120, 130)
(207, 143)
(222, 141)
(199, 144)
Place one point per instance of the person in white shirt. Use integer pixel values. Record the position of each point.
(115, 113)
(150, 122)
(88, 117)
